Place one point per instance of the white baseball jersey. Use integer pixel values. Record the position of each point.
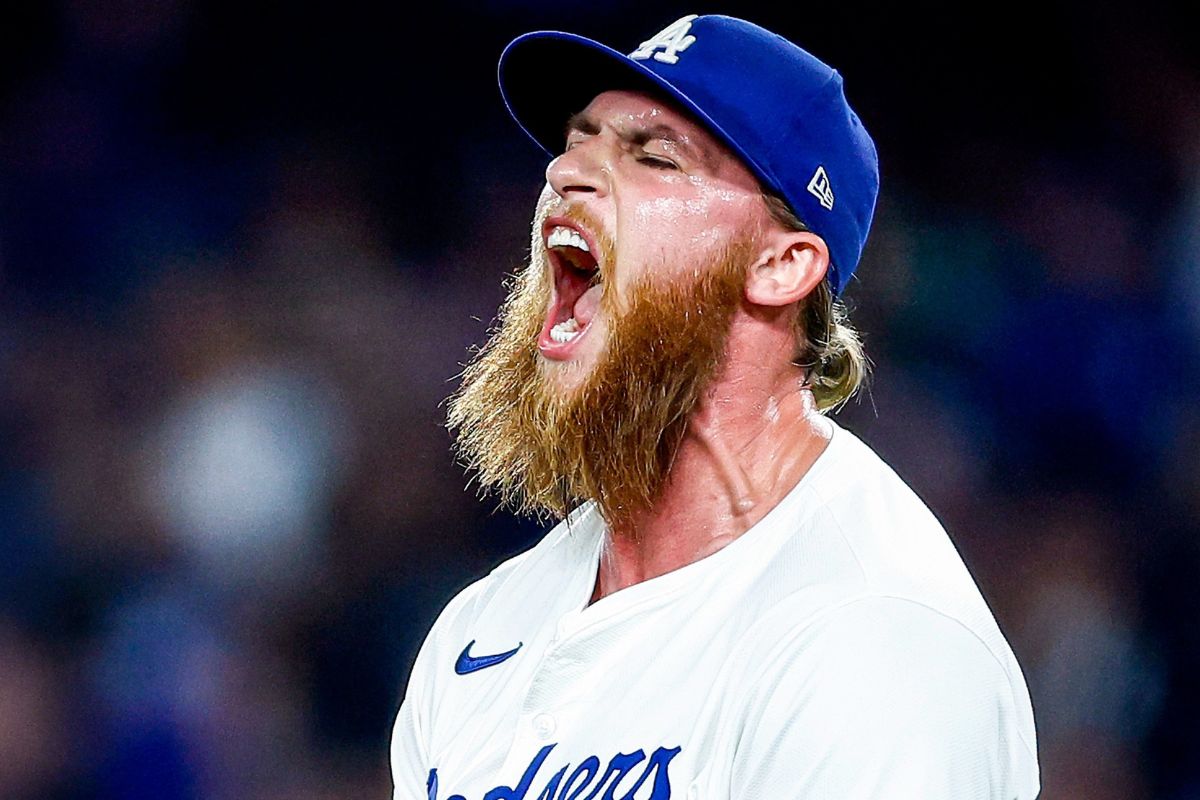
(838, 650)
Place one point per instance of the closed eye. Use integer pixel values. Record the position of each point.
(657, 163)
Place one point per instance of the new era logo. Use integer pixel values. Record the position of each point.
(669, 42)
(819, 188)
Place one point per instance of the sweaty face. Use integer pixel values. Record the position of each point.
(613, 331)
(640, 189)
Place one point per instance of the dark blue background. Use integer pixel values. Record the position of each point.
(244, 249)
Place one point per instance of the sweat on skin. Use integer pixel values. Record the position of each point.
(673, 402)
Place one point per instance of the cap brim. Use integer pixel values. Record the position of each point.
(547, 76)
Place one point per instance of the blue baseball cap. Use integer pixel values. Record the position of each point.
(778, 107)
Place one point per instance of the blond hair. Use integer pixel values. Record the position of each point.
(828, 348)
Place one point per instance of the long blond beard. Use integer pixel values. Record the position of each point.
(543, 449)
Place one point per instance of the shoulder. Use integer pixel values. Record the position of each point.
(861, 489)
(864, 641)
(857, 501)
(501, 599)
(465, 605)
(890, 684)
(897, 546)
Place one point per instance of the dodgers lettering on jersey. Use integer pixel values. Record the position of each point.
(582, 779)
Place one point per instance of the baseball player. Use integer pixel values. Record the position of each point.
(741, 601)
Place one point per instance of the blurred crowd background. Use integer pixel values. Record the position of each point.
(245, 247)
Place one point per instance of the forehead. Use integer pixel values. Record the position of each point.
(632, 112)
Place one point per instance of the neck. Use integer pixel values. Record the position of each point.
(753, 436)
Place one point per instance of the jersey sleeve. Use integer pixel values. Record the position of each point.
(410, 754)
(883, 698)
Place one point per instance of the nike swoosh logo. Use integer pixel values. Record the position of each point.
(467, 664)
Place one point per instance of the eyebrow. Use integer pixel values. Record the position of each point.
(584, 124)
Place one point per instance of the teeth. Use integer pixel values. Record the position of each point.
(565, 331)
(566, 237)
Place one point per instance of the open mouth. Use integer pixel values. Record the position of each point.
(577, 286)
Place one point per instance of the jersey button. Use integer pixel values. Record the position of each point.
(544, 726)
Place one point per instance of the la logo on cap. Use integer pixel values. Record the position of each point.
(670, 41)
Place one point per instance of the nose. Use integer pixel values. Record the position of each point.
(582, 169)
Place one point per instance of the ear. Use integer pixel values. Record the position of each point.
(790, 266)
